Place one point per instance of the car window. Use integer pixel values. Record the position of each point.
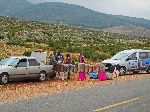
(148, 54)
(133, 56)
(22, 63)
(144, 55)
(33, 62)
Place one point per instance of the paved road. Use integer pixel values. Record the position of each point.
(130, 96)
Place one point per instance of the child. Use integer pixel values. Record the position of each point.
(68, 62)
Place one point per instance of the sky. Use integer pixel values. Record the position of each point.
(133, 8)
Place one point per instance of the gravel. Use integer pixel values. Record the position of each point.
(27, 89)
(88, 99)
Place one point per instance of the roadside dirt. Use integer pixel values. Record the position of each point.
(27, 89)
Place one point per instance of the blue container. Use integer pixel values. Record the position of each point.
(93, 75)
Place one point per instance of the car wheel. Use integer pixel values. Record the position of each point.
(3, 78)
(122, 71)
(42, 76)
(148, 70)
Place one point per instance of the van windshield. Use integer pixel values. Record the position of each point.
(120, 56)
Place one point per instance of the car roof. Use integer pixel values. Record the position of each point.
(21, 57)
(134, 50)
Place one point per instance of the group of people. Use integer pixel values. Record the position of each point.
(57, 59)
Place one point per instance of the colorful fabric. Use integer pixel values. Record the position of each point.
(102, 76)
(81, 76)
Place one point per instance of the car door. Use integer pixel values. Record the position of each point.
(132, 61)
(144, 60)
(34, 68)
(20, 70)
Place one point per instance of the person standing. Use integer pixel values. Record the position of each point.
(81, 59)
(60, 60)
(68, 62)
(53, 62)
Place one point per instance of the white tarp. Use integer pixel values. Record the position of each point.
(41, 56)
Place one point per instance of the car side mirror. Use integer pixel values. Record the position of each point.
(16, 66)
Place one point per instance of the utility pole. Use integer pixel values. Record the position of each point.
(108, 25)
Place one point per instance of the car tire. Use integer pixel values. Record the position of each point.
(4, 78)
(148, 70)
(42, 76)
(122, 71)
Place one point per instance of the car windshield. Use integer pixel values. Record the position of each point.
(120, 56)
(9, 61)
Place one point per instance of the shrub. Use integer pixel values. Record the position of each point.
(16, 42)
(75, 60)
(27, 53)
(51, 42)
(1, 58)
(1, 37)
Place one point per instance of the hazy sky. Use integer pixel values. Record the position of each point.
(134, 8)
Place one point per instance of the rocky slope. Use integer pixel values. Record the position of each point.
(129, 30)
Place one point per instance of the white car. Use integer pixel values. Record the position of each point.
(23, 67)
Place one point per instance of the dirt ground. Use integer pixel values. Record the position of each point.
(28, 89)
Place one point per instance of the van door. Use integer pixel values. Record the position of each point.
(132, 62)
(144, 60)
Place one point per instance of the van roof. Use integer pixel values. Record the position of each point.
(135, 50)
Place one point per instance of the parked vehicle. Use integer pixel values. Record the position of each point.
(12, 68)
(129, 60)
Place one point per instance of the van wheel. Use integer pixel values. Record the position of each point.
(148, 70)
(42, 76)
(122, 71)
(3, 78)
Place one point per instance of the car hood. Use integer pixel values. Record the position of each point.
(115, 62)
(4, 67)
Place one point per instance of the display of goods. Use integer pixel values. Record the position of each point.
(65, 67)
(93, 75)
(86, 68)
(91, 68)
(81, 76)
(109, 76)
(102, 76)
(102, 67)
(81, 67)
(72, 68)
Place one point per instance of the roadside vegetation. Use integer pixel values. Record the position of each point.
(95, 45)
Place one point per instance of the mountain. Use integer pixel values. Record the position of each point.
(68, 14)
(63, 13)
(9, 7)
(129, 30)
(136, 21)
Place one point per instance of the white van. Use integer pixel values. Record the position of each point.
(129, 60)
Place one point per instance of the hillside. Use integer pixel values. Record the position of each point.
(95, 45)
(129, 30)
(63, 13)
